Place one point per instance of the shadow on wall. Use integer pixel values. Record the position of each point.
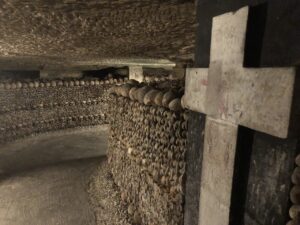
(13, 75)
(53, 148)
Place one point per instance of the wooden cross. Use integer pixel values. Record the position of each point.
(231, 95)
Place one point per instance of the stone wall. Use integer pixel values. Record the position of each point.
(147, 151)
(32, 106)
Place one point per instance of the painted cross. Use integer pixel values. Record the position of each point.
(231, 95)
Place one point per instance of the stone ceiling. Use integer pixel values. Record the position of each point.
(89, 30)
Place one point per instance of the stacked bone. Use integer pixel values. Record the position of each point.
(29, 107)
(295, 195)
(155, 79)
(147, 152)
(151, 79)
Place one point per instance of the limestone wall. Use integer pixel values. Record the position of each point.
(32, 106)
(92, 29)
(147, 152)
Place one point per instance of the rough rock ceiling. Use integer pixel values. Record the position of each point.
(91, 30)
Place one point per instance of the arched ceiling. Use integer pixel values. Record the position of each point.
(91, 30)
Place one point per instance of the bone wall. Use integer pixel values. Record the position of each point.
(32, 106)
(147, 152)
(294, 211)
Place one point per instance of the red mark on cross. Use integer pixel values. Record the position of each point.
(204, 82)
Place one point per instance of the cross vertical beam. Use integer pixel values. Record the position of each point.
(217, 172)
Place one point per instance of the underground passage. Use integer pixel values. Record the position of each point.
(126, 112)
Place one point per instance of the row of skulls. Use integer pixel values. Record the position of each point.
(147, 152)
(36, 126)
(152, 79)
(59, 83)
(58, 120)
(148, 95)
(51, 104)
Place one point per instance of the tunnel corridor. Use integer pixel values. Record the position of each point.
(149, 112)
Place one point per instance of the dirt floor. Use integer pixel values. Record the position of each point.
(54, 179)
